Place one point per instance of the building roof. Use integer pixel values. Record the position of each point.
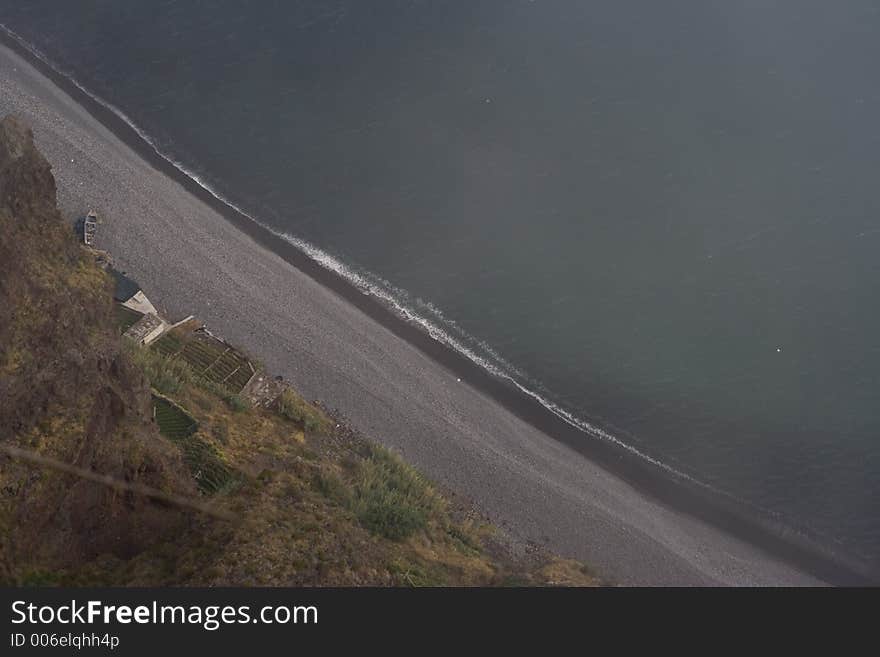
(145, 329)
(126, 288)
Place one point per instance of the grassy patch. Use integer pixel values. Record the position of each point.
(296, 409)
(414, 575)
(390, 498)
(296, 497)
(331, 486)
(237, 404)
(220, 430)
(166, 375)
(40, 578)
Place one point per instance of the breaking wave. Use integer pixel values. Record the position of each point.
(490, 361)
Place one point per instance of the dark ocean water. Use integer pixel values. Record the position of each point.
(663, 216)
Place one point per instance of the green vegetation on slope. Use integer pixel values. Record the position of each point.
(319, 504)
(390, 498)
(174, 423)
(202, 458)
(208, 358)
(296, 409)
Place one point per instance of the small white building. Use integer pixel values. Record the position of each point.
(140, 303)
(129, 294)
(147, 329)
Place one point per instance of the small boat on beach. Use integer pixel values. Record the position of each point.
(90, 227)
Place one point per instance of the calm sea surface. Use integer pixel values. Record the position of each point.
(664, 216)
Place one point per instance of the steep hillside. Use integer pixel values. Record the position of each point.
(66, 389)
(297, 497)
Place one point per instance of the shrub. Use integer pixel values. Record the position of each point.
(40, 578)
(391, 498)
(237, 404)
(296, 409)
(220, 430)
(332, 487)
(167, 376)
(211, 387)
(410, 574)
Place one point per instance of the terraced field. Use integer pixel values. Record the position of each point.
(169, 344)
(207, 467)
(173, 422)
(209, 357)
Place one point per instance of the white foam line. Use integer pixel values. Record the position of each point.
(367, 287)
(333, 264)
(362, 283)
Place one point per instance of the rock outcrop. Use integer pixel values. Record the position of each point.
(67, 389)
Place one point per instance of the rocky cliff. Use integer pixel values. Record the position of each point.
(67, 391)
